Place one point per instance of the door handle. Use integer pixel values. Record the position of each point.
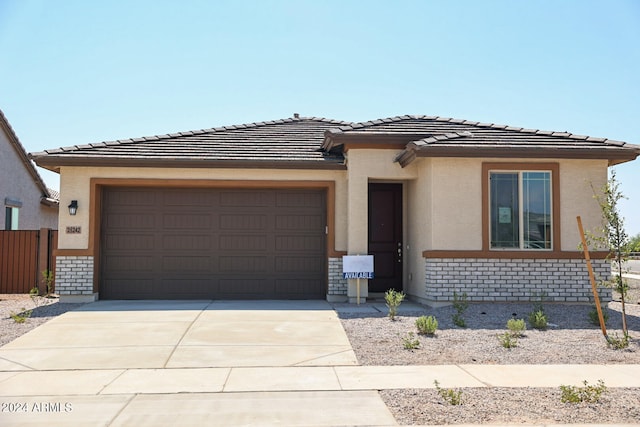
(399, 251)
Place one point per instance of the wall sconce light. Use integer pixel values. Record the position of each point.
(73, 207)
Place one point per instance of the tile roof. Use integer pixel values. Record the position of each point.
(293, 141)
(314, 142)
(433, 135)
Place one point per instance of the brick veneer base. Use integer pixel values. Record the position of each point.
(560, 280)
(74, 275)
(337, 285)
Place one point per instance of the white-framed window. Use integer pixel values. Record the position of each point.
(11, 218)
(520, 209)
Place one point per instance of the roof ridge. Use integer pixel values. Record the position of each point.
(224, 128)
(394, 119)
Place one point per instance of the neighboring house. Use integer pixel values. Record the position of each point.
(27, 203)
(267, 210)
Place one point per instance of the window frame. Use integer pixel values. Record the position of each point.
(553, 168)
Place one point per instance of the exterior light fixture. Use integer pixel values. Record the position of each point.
(73, 207)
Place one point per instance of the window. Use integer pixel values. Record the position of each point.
(521, 211)
(11, 218)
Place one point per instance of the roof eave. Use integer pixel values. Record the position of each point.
(613, 155)
(54, 163)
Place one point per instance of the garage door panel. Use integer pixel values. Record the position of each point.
(299, 264)
(235, 242)
(129, 241)
(213, 243)
(246, 198)
(191, 264)
(130, 262)
(243, 264)
(188, 200)
(131, 220)
(300, 222)
(296, 287)
(296, 243)
(186, 222)
(131, 198)
(134, 288)
(243, 222)
(242, 287)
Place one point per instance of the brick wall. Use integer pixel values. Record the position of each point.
(561, 280)
(74, 275)
(337, 285)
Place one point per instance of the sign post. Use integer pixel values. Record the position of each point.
(357, 267)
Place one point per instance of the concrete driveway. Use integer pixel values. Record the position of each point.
(185, 334)
(173, 363)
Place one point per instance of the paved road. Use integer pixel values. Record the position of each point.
(634, 266)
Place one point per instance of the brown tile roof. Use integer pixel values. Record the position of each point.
(313, 142)
(292, 142)
(443, 136)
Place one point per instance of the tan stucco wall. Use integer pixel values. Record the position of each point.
(456, 200)
(16, 183)
(75, 185)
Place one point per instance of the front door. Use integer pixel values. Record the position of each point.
(385, 236)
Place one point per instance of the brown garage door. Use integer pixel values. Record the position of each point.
(179, 243)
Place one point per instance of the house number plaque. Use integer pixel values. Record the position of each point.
(76, 229)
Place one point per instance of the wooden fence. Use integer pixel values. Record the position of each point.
(24, 255)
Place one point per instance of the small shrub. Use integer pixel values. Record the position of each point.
(508, 340)
(593, 316)
(538, 320)
(617, 342)
(22, 316)
(410, 342)
(47, 279)
(516, 327)
(460, 304)
(393, 299)
(427, 325)
(588, 393)
(452, 397)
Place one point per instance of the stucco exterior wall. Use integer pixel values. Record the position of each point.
(16, 183)
(456, 188)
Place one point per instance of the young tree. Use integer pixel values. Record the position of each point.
(614, 238)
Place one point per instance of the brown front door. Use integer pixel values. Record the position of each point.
(385, 236)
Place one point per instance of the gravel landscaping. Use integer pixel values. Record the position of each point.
(570, 339)
(44, 309)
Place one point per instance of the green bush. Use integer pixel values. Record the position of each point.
(452, 397)
(588, 393)
(393, 299)
(618, 342)
(460, 304)
(427, 325)
(410, 342)
(538, 320)
(508, 340)
(593, 316)
(516, 327)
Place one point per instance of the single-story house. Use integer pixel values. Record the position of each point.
(27, 203)
(267, 211)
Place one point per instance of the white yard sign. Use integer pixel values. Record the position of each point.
(357, 266)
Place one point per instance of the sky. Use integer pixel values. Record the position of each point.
(76, 71)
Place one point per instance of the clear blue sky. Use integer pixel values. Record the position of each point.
(76, 72)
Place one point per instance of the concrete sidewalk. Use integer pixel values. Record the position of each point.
(321, 396)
